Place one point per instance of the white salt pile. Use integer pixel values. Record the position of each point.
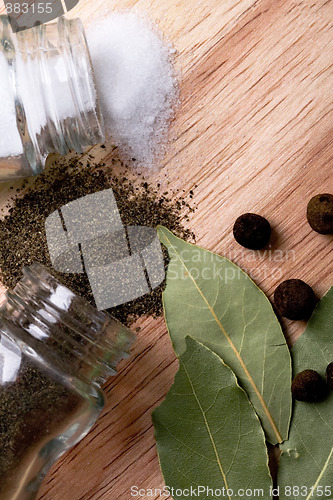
(135, 82)
(10, 141)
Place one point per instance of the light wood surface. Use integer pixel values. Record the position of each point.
(254, 132)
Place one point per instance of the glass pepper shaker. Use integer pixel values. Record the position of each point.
(56, 351)
(48, 94)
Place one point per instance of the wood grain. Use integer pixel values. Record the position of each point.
(254, 132)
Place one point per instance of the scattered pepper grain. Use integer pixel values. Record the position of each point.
(294, 299)
(308, 386)
(252, 231)
(320, 213)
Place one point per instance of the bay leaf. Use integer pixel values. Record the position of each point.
(207, 432)
(306, 463)
(215, 302)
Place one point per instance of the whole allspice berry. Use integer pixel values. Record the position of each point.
(308, 386)
(329, 376)
(294, 299)
(320, 213)
(252, 231)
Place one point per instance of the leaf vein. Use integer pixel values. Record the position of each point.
(208, 430)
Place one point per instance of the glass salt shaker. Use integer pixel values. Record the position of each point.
(56, 351)
(48, 96)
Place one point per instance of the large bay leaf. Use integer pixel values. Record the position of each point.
(207, 432)
(214, 301)
(306, 463)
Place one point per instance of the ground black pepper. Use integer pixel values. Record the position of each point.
(55, 351)
(22, 231)
(31, 409)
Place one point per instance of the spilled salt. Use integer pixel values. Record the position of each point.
(135, 81)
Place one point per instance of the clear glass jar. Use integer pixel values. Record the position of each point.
(56, 351)
(49, 94)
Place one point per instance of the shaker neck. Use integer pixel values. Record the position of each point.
(61, 330)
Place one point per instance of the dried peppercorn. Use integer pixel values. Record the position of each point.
(308, 386)
(252, 231)
(320, 213)
(294, 299)
(329, 376)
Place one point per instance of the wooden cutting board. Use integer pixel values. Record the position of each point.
(254, 132)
